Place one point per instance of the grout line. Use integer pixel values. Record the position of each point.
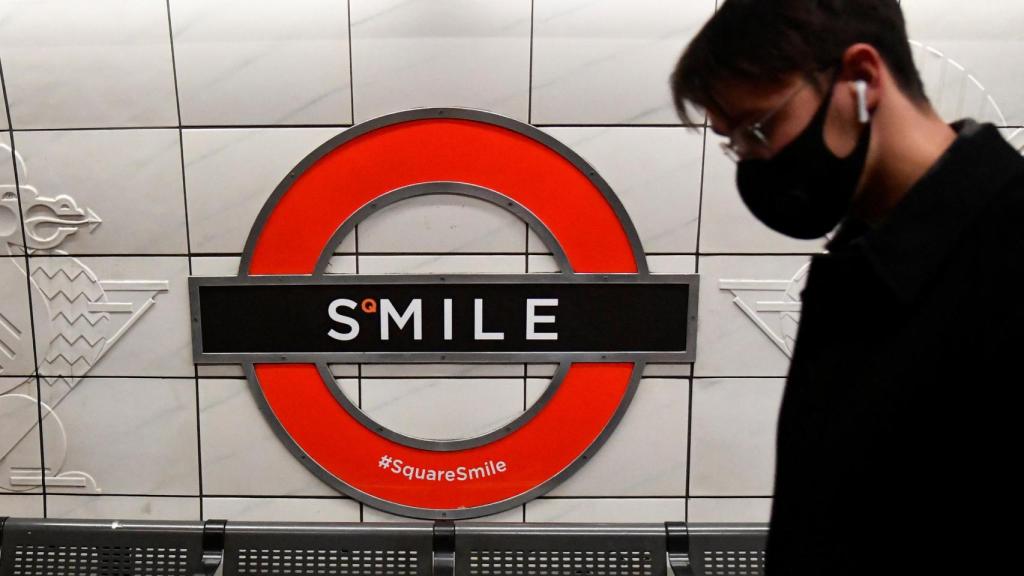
(384, 254)
(349, 125)
(529, 98)
(696, 270)
(110, 255)
(689, 444)
(188, 247)
(340, 497)
(365, 377)
(199, 446)
(112, 377)
(700, 197)
(28, 290)
(617, 125)
(183, 127)
(351, 89)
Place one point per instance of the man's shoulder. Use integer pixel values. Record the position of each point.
(999, 232)
(1007, 207)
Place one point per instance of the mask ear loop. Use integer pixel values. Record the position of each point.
(861, 88)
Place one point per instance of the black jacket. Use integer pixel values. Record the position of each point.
(897, 438)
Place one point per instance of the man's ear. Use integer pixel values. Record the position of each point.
(862, 62)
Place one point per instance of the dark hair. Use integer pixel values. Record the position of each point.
(762, 41)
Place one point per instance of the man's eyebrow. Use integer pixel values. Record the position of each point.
(734, 121)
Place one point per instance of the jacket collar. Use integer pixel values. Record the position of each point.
(909, 246)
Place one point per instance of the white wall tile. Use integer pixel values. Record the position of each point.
(542, 264)
(16, 356)
(19, 436)
(245, 62)
(438, 264)
(281, 509)
(536, 386)
(440, 409)
(645, 510)
(672, 264)
(984, 39)
(730, 510)
(21, 505)
(656, 174)
(228, 265)
(442, 223)
(122, 507)
(4, 125)
(667, 370)
(129, 435)
(6, 160)
(415, 53)
(344, 370)
(350, 387)
(10, 222)
(657, 263)
(727, 226)
(156, 340)
(120, 190)
(541, 370)
(608, 62)
(536, 245)
(241, 455)
(442, 370)
(511, 515)
(215, 265)
(646, 455)
(341, 264)
(733, 446)
(229, 174)
(70, 64)
(374, 515)
(739, 335)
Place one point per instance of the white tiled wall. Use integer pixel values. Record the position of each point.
(606, 61)
(244, 62)
(413, 53)
(96, 64)
(149, 133)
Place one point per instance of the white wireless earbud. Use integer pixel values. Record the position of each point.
(861, 88)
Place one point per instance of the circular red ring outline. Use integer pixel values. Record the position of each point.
(355, 171)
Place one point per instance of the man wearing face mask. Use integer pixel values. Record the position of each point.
(896, 448)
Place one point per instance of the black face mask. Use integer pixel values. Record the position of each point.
(804, 190)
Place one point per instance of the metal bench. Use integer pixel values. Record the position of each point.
(104, 548)
(570, 549)
(716, 549)
(255, 549)
(128, 548)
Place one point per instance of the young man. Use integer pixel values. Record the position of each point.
(895, 445)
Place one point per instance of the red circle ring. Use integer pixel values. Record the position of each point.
(362, 166)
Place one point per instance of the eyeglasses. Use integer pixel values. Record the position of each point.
(745, 139)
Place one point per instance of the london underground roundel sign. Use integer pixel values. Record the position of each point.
(601, 318)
